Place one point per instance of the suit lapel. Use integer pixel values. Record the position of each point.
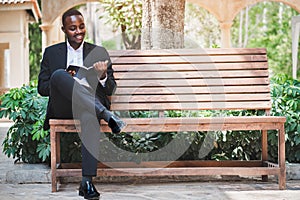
(86, 49)
(88, 60)
(62, 54)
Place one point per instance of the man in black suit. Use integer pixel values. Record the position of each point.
(85, 97)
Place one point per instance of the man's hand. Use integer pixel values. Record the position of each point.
(101, 69)
(72, 72)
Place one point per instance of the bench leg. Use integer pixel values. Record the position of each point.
(264, 156)
(57, 138)
(53, 159)
(281, 158)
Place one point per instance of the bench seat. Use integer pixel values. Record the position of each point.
(183, 124)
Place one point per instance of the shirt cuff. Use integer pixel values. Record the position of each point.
(103, 81)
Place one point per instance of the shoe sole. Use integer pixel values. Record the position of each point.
(81, 194)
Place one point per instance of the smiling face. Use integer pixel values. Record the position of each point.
(74, 28)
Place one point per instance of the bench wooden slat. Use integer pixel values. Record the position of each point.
(193, 74)
(157, 164)
(194, 82)
(63, 122)
(199, 123)
(183, 171)
(189, 59)
(188, 120)
(193, 90)
(185, 124)
(189, 98)
(150, 128)
(192, 171)
(260, 105)
(206, 120)
(216, 51)
(190, 67)
(195, 128)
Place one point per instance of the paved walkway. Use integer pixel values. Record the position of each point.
(219, 189)
(166, 191)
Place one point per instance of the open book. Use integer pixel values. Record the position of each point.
(78, 71)
(77, 67)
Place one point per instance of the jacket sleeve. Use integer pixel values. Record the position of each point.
(44, 76)
(110, 84)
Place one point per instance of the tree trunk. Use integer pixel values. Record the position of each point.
(163, 24)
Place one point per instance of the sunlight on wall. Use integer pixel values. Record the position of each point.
(4, 64)
(6, 68)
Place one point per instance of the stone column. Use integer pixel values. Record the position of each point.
(163, 24)
(2, 62)
(225, 34)
(295, 43)
(46, 35)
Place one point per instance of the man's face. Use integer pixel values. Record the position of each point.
(74, 28)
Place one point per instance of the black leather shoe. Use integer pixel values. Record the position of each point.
(116, 124)
(88, 190)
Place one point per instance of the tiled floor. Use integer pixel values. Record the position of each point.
(163, 191)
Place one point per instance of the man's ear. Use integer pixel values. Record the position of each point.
(63, 28)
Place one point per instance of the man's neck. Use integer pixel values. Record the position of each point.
(75, 46)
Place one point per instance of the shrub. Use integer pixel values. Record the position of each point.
(25, 140)
(286, 102)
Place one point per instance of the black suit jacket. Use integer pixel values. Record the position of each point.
(55, 57)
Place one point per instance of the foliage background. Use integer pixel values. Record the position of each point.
(25, 140)
(265, 24)
(35, 48)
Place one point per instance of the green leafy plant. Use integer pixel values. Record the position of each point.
(286, 102)
(268, 25)
(35, 49)
(25, 141)
(285, 94)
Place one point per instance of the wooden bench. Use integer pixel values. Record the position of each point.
(187, 80)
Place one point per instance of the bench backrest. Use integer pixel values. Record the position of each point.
(191, 79)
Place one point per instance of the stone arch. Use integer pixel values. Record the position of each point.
(219, 10)
(291, 3)
(51, 11)
(203, 40)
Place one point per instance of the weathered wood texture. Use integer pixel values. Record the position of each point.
(193, 80)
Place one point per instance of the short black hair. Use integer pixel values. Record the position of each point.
(68, 13)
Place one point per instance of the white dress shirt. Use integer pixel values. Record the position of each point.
(75, 57)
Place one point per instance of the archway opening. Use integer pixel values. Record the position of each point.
(267, 25)
(201, 28)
